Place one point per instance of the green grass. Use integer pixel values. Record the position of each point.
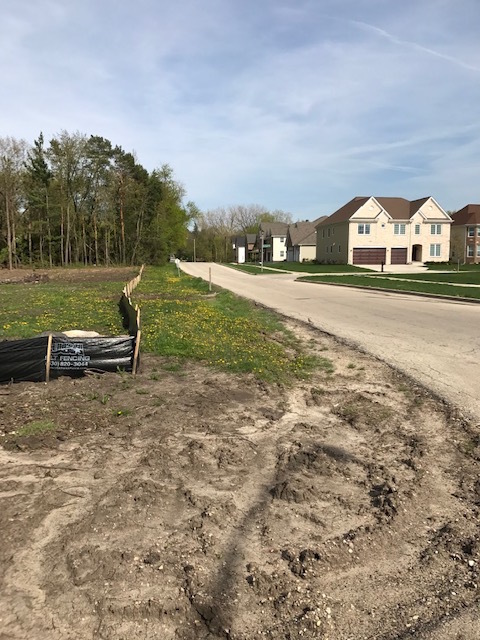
(462, 277)
(37, 427)
(451, 266)
(250, 268)
(29, 309)
(309, 267)
(399, 285)
(225, 331)
(181, 320)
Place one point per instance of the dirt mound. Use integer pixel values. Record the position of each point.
(193, 504)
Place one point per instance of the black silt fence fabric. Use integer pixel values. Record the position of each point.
(23, 359)
(129, 315)
(26, 359)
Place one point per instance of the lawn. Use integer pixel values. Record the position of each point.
(250, 268)
(309, 267)
(452, 266)
(462, 277)
(180, 319)
(398, 285)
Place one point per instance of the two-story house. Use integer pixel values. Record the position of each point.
(465, 235)
(272, 236)
(376, 230)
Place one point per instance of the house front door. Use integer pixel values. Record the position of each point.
(417, 253)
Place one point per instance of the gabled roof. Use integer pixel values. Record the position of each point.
(303, 233)
(397, 208)
(239, 241)
(298, 231)
(468, 215)
(346, 212)
(274, 228)
(400, 208)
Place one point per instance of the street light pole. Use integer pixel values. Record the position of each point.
(261, 255)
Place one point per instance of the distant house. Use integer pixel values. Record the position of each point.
(465, 234)
(245, 249)
(239, 248)
(302, 240)
(274, 236)
(374, 230)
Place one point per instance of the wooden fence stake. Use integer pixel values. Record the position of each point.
(49, 357)
(136, 352)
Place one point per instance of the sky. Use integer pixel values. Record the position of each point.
(297, 105)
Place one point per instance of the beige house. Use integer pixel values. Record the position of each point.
(371, 230)
(302, 241)
(465, 235)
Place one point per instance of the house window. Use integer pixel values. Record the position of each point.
(470, 251)
(417, 229)
(323, 233)
(436, 229)
(363, 229)
(478, 250)
(435, 250)
(282, 239)
(471, 232)
(399, 229)
(340, 248)
(478, 231)
(282, 254)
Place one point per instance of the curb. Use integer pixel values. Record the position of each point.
(421, 294)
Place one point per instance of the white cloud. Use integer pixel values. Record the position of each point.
(292, 105)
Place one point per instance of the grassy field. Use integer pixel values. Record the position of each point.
(180, 319)
(29, 309)
(435, 288)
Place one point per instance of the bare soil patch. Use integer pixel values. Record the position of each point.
(194, 504)
(80, 275)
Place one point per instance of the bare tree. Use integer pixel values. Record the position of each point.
(13, 154)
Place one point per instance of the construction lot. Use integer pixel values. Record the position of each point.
(191, 503)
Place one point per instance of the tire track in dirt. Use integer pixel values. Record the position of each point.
(344, 508)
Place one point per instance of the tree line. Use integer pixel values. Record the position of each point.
(81, 200)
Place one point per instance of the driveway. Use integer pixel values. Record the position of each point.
(436, 342)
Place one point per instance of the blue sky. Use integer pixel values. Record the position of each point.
(296, 105)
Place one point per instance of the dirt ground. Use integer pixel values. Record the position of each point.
(191, 504)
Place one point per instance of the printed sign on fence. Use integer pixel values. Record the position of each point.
(69, 355)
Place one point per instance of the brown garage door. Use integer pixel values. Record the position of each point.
(399, 255)
(369, 255)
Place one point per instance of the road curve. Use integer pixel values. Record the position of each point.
(436, 342)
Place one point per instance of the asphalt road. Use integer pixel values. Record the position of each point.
(436, 342)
